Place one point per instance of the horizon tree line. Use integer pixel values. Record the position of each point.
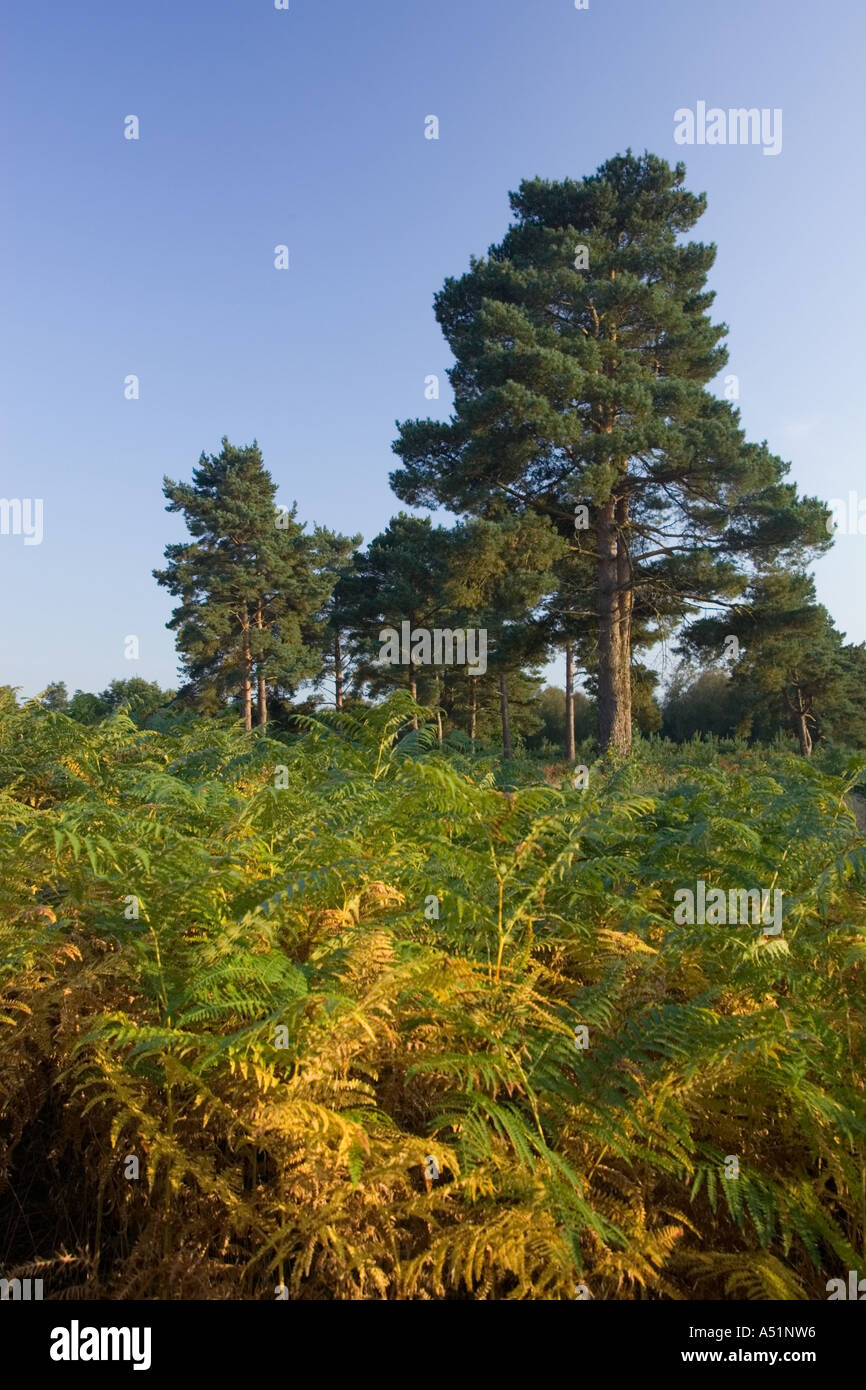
(604, 501)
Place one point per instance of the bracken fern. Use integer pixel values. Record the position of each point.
(283, 1036)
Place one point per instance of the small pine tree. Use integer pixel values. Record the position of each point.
(793, 662)
(250, 582)
(55, 696)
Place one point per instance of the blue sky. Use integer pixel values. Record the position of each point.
(305, 127)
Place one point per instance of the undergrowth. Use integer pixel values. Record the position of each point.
(250, 988)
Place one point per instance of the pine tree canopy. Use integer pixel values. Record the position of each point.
(584, 349)
(252, 582)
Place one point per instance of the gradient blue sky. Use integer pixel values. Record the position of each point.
(306, 127)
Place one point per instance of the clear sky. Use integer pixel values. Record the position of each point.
(305, 127)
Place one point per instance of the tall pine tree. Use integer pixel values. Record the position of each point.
(583, 352)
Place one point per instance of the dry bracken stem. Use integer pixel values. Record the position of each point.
(499, 931)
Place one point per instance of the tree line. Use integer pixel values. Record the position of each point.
(605, 501)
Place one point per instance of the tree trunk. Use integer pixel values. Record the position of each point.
(473, 715)
(506, 723)
(800, 716)
(569, 703)
(248, 682)
(263, 690)
(413, 691)
(338, 671)
(625, 594)
(439, 708)
(614, 628)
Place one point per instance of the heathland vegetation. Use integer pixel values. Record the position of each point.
(333, 977)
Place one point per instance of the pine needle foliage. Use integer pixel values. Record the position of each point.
(306, 1013)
